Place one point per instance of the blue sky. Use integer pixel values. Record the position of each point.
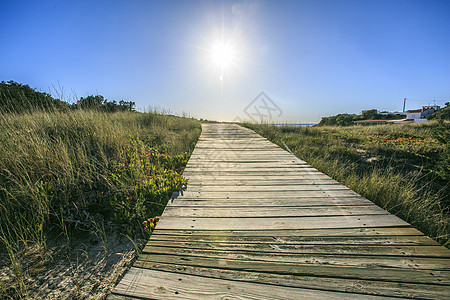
(312, 58)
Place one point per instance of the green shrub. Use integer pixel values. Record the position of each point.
(18, 98)
(349, 119)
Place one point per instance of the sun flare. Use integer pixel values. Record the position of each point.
(222, 54)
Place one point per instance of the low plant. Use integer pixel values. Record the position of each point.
(150, 224)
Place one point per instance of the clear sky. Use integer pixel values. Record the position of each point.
(210, 59)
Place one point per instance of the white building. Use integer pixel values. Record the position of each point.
(419, 115)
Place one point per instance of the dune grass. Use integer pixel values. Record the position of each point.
(65, 172)
(395, 166)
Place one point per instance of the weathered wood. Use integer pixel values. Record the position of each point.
(189, 223)
(271, 194)
(268, 188)
(256, 177)
(312, 259)
(256, 222)
(195, 182)
(271, 211)
(409, 275)
(246, 169)
(274, 202)
(321, 233)
(151, 284)
(355, 287)
(334, 249)
(282, 238)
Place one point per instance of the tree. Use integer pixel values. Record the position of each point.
(371, 114)
(19, 98)
(91, 102)
(99, 102)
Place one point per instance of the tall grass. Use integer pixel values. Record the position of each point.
(60, 171)
(392, 165)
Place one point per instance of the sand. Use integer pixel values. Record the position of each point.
(90, 269)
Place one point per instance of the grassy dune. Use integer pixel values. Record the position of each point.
(75, 171)
(398, 167)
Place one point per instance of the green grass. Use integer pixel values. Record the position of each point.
(395, 166)
(65, 172)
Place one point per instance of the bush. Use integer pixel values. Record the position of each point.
(98, 102)
(18, 98)
(349, 119)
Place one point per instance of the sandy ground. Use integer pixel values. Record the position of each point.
(89, 270)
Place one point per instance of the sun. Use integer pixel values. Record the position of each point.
(222, 54)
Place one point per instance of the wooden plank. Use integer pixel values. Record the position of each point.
(334, 249)
(274, 202)
(435, 277)
(255, 166)
(232, 156)
(316, 259)
(271, 211)
(151, 284)
(270, 188)
(259, 177)
(279, 223)
(226, 152)
(301, 233)
(270, 194)
(280, 238)
(355, 287)
(198, 181)
(248, 169)
(238, 147)
(256, 179)
(249, 164)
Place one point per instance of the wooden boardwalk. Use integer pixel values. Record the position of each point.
(255, 222)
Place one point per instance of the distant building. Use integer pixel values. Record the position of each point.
(412, 116)
(419, 115)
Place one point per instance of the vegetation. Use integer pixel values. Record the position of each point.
(349, 119)
(442, 133)
(98, 102)
(442, 114)
(67, 171)
(19, 98)
(403, 168)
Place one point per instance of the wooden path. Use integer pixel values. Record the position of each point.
(255, 222)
